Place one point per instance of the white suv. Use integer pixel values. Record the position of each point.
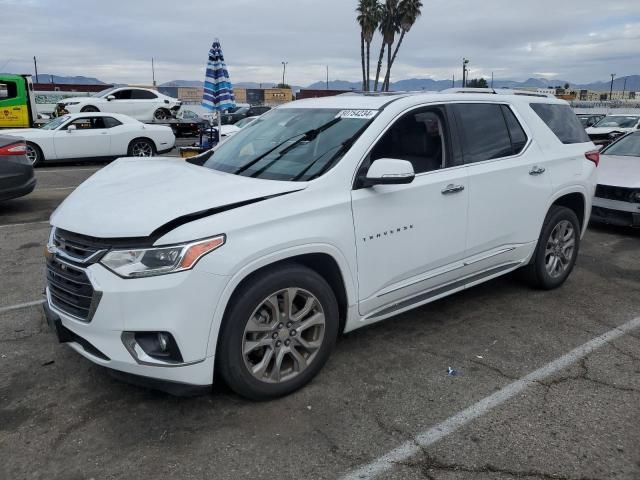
(320, 217)
(143, 104)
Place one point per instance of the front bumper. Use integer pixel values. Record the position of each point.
(615, 212)
(174, 303)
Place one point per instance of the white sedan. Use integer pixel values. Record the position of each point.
(94, 136)
(142, 104)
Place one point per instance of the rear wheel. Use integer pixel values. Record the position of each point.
(89, 108)
(278, 332)
(141, 147)
(34, 154)
(556, 251)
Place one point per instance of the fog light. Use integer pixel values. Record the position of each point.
(152, 348)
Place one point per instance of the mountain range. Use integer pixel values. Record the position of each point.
(412, 84)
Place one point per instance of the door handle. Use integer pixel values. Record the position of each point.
(451, 188)
(537, 170)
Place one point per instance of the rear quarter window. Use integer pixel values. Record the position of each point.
(562, 122)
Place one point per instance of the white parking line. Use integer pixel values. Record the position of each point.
(55, 188)
(69, 169)
(20, 305)
(460, 419)
(23, 224)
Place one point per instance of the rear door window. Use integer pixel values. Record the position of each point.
(483, 130)
(562, 122)
(143, 95)
(110, 122)
(122, 95)
(518, 137)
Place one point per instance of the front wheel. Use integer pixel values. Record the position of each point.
(161, 114)
(556, 251)
(278, 332)
(141, 147)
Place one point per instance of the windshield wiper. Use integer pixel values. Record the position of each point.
(306, 136)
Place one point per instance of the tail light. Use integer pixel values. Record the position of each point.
(594, 156)
(18, 148)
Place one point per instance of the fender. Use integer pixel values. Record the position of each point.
(587, 201)
(247, 269)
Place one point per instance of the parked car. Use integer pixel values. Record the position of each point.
(325, 216)
(589, 119)
(244, 112)
(94, 136)
(612, 127)
(16, 173)
(617, 199)
(142, 104)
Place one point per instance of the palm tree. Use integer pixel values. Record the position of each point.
(408, 13)
(388, 27)
(368, 18)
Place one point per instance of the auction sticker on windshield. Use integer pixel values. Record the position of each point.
(365, 114)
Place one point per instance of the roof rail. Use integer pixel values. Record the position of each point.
(500, 91)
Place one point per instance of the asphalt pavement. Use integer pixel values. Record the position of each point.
(547, 385)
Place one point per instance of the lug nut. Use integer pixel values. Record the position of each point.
(278, 343)
(275, 335)
(293, 333)
(289, 324)
(287, 342)
(281, 325)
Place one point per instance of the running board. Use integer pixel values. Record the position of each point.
(424, 297)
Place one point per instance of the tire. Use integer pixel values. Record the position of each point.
(141, 147)
(559, 240)
(89, 108)
(252, 337)
(161, 114)
(34, 154)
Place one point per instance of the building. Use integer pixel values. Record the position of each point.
(188, 95)
(263, 96)
(70, 87)
(318, 93)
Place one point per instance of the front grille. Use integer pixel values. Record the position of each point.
(79, 248)
(70, 290)
(615, 193)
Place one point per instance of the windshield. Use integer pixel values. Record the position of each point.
(103, 93)
(244, 122)
(628, 146)
(620, 121)
(53, 124)
(296, 144)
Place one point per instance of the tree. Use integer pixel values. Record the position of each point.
(477, 83)
(388, 27)
(368, 19)
(566, 86)
(408, 13)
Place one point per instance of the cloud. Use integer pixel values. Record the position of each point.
(577, 40)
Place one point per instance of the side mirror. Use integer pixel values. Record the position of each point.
(111, 97)
(389, 171)
(71, 128)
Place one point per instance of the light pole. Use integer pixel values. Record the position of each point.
(327, 77)
(284, 71)
(465, 71)
(35, 66)
(624, 88)
(613, 75)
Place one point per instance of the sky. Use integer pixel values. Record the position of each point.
(575, 40)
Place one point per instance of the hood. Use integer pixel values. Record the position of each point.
(80, 99)
(19, 131)
(619, 171)
(137, 197)
(606, 130)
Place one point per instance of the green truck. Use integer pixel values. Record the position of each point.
(17, 102)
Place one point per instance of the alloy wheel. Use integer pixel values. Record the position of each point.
(32, 154)
(160, 114)
(560, 249)
(283, 335)
(142, 149)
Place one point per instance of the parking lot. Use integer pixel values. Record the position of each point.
(384, 405)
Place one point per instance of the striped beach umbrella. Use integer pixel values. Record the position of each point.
(218, 91)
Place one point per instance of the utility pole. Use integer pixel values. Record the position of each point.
(153, 72)
(327, 77)
(624, 88)
(491, 79)
(35, 66)
(453, 81)
(613, 75)
(284, 71)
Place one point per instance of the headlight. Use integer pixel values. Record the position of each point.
(66, 104)
(149, 262)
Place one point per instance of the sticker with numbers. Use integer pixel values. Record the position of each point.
(364, 114)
